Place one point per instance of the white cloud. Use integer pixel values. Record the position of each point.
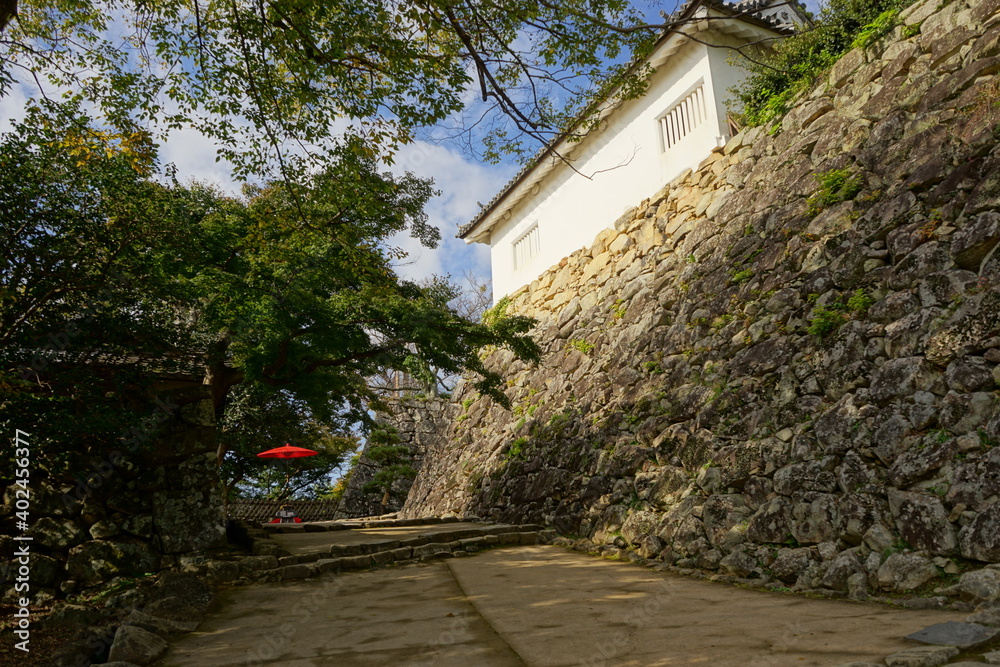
(194, 155)
(463, 184)
(12, 107)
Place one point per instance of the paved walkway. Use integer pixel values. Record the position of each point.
(541, 606)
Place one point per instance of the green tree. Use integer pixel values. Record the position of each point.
(393, 461)
(257, 419)
(77, 217)
(291, 298)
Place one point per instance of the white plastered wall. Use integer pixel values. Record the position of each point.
(625, 163)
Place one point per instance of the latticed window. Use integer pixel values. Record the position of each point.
(526, 247)
(683, 117)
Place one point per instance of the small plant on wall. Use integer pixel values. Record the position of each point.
(516, 450)
(827, 319)
(835, 186)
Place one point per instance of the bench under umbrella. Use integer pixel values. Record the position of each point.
(286, 452)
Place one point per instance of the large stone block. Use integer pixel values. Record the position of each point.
(772, 522)
(726, 519)
(980, 540)
(924, 457)
(57, 534)
(904, 572)
(99, 560)
(976, 480)
(137, 646)
(817, 521)
(974, 241)
(897, 378)
(923, 523)
(188, 520)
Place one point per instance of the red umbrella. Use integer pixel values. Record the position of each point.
(287, 451)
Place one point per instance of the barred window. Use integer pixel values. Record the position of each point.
(682, 118)
(526, 247)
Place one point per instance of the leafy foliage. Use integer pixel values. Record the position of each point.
(258, 418)
(287, 293)
(859, 302)
(742, 276)
(835, 186)
(793, 64)
(336, 491)
(76, 213)
(827, 319)
(497, 312)
(516, 450)
(393, 460)
(276, 81)
(877, 29)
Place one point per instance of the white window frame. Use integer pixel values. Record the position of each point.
(682, 117)
(526, 247)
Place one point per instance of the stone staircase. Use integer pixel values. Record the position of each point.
(280, 553)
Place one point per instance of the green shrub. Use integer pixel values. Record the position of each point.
(497, 313)
(581, 345)
(859, 302)
(835, 186)
(795, 63)
(877, 29)
(912, 30)
(826, 320)
(516, 450)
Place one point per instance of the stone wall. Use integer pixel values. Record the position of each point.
(750, 377)
(130, 511)
(419, 421)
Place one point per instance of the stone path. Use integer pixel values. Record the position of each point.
(385, 538)
(534, 605)
(308, 550)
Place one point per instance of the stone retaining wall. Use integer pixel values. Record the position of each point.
(419, 421)
(748, 377)
(127, 513)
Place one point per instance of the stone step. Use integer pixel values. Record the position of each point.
(348, 524)
(343, 557)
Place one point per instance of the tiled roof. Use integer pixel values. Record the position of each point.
(751, 9)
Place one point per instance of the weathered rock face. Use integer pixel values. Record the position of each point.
(419, 422)
(730, 367)
(131, 510)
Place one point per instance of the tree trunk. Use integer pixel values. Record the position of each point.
(8, 10)
(220, 379)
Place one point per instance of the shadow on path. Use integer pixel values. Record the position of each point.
(540, 606)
